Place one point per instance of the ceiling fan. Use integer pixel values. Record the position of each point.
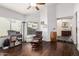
(36, 6)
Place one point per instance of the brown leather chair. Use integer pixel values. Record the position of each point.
(38, 36)
(37, 39)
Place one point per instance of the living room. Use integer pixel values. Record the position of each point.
(31, 27)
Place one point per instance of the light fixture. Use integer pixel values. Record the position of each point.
(33, 4)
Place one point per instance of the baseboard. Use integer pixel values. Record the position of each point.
(65, 41)
(58, 36)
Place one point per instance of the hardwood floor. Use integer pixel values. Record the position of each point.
(46, 49)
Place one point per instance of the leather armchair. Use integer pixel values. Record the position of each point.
(37, 39)
(38, 36)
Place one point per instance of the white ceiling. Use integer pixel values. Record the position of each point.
(20, 7)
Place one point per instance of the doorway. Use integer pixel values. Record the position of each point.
(64, 29)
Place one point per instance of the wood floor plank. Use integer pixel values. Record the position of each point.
(47, 49)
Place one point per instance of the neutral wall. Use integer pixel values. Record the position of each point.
(4, 12)
(43, 17)
(74, 34)
(76, 10)
(64, 9)
(51, 16)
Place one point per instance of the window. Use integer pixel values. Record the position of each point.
(4, 26)
(32, 27)
(16, 25)
(9, 24)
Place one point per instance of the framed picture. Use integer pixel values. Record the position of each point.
(65, 24)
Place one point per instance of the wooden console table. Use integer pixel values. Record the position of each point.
(66, 33)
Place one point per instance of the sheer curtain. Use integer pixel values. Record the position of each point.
(4, 26)
(9, 24)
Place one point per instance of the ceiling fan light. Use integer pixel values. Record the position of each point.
(33, 4)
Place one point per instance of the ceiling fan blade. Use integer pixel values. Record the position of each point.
(29, 7)
(37, 8)
(40, 3)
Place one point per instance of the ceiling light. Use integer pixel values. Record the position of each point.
(33, 4)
